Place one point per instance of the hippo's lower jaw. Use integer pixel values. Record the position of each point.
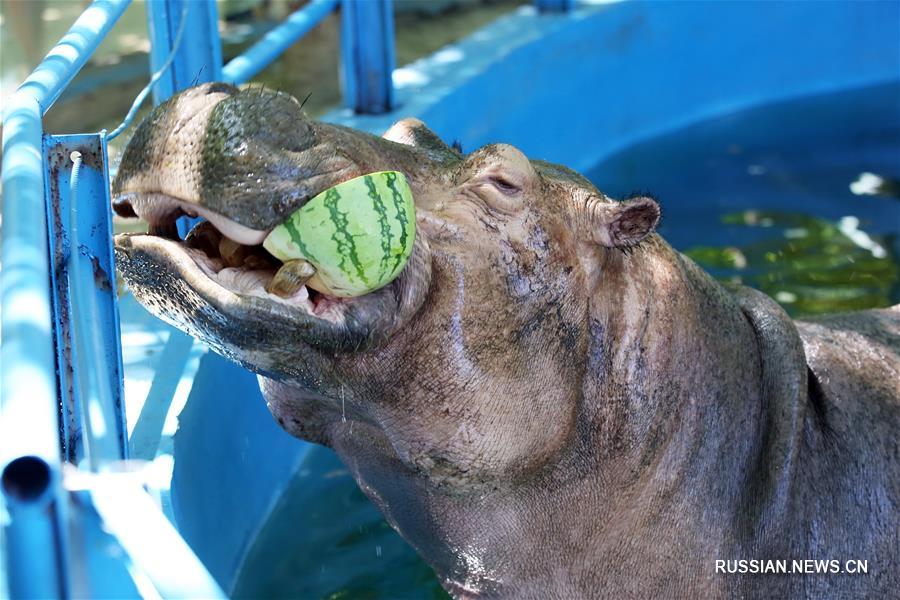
(214, 285)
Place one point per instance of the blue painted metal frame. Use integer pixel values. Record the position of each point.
(242, 68)
(68, 299)
(199, 59)
(367, 55)
(35, 535)
(29, 392)
(150, 541)
(85, 311)
(147, 432)
(29, 399)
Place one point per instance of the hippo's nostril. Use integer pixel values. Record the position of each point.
(218, 87)
(123, 208)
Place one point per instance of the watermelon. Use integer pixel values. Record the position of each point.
(358, 235)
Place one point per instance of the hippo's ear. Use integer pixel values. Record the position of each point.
(413, 132)
(622, 224)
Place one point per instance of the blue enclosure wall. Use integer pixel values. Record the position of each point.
(576, 88)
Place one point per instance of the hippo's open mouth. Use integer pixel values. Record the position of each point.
(214, 284)
(246, 160)
(228, 254)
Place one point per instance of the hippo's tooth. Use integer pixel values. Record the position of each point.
(232, 252)
(290, 278)
(205, 237)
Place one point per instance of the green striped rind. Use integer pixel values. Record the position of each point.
(358, 234)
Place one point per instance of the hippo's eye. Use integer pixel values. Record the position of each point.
(498, 190)
(504, 185)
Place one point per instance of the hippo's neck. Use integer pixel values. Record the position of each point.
(695, 396)
(691, 405)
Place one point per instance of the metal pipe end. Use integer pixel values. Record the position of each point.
(26, 479)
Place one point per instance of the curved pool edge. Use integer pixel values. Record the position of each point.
(232, 464)
(511, 81)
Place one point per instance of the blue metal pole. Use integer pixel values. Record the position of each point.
(34, 536)
(28, 413)
(367, 53)
(198, 59)
(85, 310)
(557, 6)
(29, 418)
(28, 390)
(244, 67)
(29, 454)
(153, 545)
(29, 402)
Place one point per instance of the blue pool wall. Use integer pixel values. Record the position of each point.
(576, 88)
(571, 89)
(232, 462)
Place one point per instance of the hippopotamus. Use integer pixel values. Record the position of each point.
(549, 401)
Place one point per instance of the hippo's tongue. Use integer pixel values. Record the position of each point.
(249, 270)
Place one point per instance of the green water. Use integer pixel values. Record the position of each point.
(326, 540)
(763, 197)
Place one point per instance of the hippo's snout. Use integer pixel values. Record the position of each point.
(245, 159)
(246, 156)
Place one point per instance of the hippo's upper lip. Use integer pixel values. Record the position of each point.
(161, 211)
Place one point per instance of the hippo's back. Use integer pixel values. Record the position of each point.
(856, 359)
(854, 363)
(853, 476)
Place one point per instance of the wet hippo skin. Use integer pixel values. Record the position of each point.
(550, 401)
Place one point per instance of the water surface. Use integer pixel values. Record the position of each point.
(763, 197)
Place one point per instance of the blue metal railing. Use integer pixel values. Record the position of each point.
(198, 61)
(31, 479)
(554, 6)
(244, 67)
(367, 56)
(60, 361)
